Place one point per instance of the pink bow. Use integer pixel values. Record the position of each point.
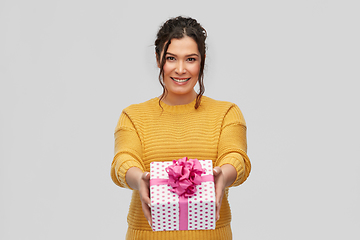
(184, 176)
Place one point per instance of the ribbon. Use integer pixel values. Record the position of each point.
(161, 181)
(183, 177)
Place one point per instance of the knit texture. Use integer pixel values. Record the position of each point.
(148, 133)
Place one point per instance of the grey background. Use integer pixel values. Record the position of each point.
(68, 68)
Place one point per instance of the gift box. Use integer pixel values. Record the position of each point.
(182, 195)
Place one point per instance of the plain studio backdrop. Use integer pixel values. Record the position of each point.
(68, 68)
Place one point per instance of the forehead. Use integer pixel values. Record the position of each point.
(185, 45)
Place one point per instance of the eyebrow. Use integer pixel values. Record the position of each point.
(189, 55)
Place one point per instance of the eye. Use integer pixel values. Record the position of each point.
(170, 58)
(191, 59)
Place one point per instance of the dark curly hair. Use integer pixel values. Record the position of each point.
(178, 28)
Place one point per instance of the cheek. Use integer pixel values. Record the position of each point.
(167, 68)
(194, 70)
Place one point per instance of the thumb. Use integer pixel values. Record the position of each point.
(145, 176)
(216, 171)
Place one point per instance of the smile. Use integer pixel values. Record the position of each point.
(180, 80)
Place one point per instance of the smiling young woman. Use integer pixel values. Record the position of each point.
(180, 123)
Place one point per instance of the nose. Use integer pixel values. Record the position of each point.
(180, 68)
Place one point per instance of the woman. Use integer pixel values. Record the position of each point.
(180, 123)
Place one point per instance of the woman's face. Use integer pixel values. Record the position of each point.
(181, 69)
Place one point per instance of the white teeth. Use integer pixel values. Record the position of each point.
(180, 80)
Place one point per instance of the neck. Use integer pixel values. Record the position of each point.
(173, 100)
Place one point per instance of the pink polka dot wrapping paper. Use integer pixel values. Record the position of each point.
(165, 205)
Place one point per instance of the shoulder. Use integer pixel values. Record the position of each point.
(210, 103)
(135, 113)
(141, 107)
(223, 108)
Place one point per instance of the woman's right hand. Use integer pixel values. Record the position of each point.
(138, 180)
(144, 192)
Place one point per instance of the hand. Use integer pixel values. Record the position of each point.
(140, 181)
(144, 192)
(224, 176)
(219, 181)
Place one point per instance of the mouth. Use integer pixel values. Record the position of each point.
(180, 80)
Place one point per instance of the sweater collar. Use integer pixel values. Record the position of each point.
(177, 108)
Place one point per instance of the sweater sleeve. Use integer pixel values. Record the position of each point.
(127, 152)
(232, 146)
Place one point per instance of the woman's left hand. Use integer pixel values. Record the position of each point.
(219, 181)
(224, 176)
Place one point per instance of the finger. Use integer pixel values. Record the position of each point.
(217, 171)
(144, 189)
(145, 176)
(145, 198)
(217, 203)
(218, 207)
(219, 191)
(147, 213)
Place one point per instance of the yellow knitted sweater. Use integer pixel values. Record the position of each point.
(146, 133)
